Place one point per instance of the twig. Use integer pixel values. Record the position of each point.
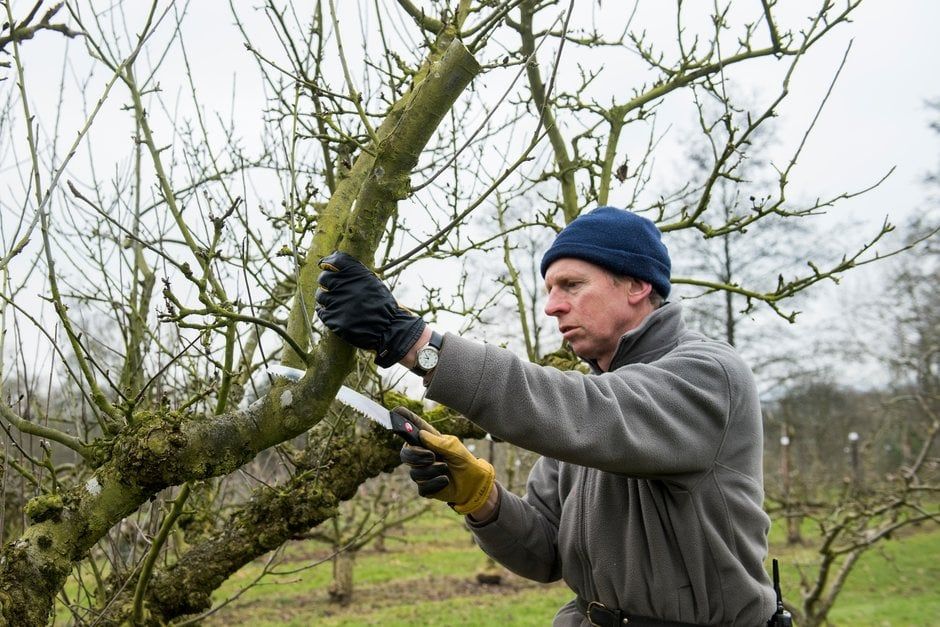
(354, 95)
(153, 553)
(48, 433)
(460, 217)
(264, 572)
(529, 59)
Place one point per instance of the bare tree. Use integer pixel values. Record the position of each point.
(891, 474)
(172, 278)
(875, 449)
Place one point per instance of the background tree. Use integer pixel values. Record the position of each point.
(886, 477)
(173, 273)
(867, 469)
(377, 509)
(742, 258)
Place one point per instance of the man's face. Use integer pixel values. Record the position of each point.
(593, 308)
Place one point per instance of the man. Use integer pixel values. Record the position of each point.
(647, 499)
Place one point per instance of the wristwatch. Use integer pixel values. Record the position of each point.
(428, 355)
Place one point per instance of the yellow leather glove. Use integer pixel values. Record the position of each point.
(445, 470)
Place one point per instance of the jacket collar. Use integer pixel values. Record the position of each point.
(657, 335)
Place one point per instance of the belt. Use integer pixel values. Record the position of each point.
(602, 616)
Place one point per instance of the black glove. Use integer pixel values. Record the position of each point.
(354, 303)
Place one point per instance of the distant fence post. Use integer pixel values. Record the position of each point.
(792, 518)
(855, 462)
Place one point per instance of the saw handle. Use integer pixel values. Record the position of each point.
(405, 428)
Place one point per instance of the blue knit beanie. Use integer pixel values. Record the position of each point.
(618, 240)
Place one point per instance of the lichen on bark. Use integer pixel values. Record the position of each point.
(44, 507)
(147, 454)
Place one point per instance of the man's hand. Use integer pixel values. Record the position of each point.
(446, 470)
(354, 303)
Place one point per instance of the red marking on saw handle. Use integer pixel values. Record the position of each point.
(406, 429)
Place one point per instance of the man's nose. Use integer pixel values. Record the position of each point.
(554, 304)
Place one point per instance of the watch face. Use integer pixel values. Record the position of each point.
(427, 357)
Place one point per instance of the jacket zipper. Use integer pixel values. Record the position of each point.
(582, 538)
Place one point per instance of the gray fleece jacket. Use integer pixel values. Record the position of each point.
(648, 495)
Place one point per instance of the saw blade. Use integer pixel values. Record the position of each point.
(365, 406)
(362, 405)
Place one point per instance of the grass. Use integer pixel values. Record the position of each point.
(428, 578)
(891, 585)
(896, 584)
(532, 606)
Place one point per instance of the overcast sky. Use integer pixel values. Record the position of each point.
(876, 118)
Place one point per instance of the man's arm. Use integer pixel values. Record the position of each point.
(656, 419)
(522, 533)
(355, 304)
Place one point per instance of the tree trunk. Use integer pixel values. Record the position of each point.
(341, 589)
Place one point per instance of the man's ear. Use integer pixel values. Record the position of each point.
(638, 291)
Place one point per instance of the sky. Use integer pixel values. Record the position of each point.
(876, 118)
